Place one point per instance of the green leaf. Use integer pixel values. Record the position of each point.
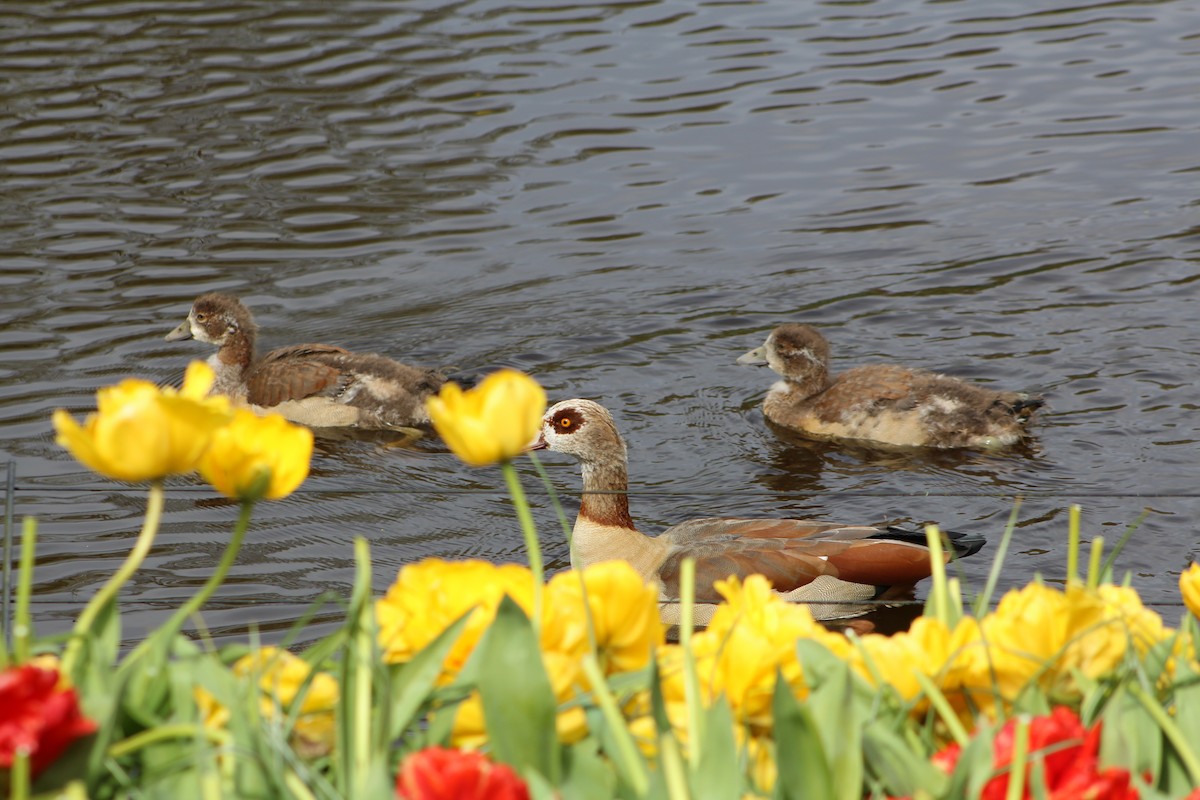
(94, 675)
(799, 750)
(900, 769)
(362, 750)
(586, 775)
(439, 724)
(519, 708)
(1130, 737)
(1187, 702)
(413, 682)
(245, 756)
(658, 705)
(974, 767)
(717, 773)
(820, 664)
(834, 700)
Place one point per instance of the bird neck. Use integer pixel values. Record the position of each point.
(809, 377)
(238, 350)
(604, 530)
(231, 363)
(605, 502)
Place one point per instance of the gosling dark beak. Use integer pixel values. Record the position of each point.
(538, 444)
(182, 331)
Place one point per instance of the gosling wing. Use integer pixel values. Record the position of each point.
(293, 373)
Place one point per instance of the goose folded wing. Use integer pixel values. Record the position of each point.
(790, 554)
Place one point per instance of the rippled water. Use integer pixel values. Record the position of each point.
(620, 198)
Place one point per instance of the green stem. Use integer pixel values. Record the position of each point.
(946, 711)
(297, 787)
(1073, 544)
(108, 592)
(23, 621)
(629, 763)
(676, 777)
(223, 566)
(691, 682)
(985, 599)
(361, 647)
(1183, 748)
(164, 733)
(197, 601)
(531, 539)
(939, 595)
(562, 517)
(19, 777)
(1093, 578)
(1016, 774)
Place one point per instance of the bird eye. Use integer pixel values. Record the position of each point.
(565, 422)
(201, 317)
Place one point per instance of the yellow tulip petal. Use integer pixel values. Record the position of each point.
(491, 422)
(197, 380)
(77, 441)
(255, 457)
(1189, 587)
(140, 432)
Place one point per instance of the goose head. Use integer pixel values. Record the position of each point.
(581, 428)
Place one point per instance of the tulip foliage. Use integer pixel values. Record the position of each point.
(466, 679)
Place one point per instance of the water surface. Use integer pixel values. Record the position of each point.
(619, 198)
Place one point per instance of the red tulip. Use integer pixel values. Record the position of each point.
(37, 716)
(436, 773)
(1070, 760)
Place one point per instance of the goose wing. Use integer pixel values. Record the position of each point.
(791, 553)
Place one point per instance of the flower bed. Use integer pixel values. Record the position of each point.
(473, 680)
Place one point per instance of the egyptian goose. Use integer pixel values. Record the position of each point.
(319, 385)
(805, 560)
(883, 403)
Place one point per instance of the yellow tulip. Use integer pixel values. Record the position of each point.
(469, 730)
(143, 433)
(1050, 637)
(924, 649)
(751, 637)
(760, 763)
(493, 422)
(624, 615)
(754, 604)
(255, 457)
(213, 715)
(427, 597)
(281, 676)
(1189, 587)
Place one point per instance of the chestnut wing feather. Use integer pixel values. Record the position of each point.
(790, 553)
(293, 373)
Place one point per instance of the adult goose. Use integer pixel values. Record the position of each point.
(834, 566)
(883, 403)
(319, 385)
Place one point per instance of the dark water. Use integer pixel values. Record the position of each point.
(619, 198)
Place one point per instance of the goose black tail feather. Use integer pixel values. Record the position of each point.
(962, 544)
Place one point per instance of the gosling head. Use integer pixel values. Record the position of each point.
(792, 350)
(215, 318)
